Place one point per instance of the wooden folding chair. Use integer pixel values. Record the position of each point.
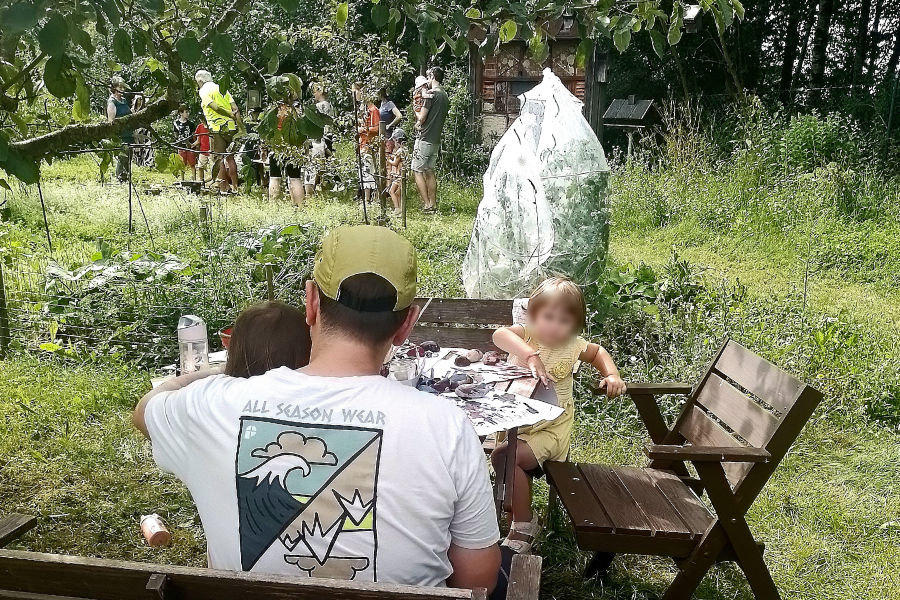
(738, 423)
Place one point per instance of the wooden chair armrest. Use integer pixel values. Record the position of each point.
(524, 577)
(13, 525)
(658, 389)
(707, 453)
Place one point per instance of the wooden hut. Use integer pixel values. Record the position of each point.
(498, 80)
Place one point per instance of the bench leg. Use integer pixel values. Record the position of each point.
(552, 506)
(599, 564)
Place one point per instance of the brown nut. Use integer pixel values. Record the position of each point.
(462, 361)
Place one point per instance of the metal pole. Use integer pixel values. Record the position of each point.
(382, 167)
(359, 170)
(403, 175)
(44, 212)
(4, 317)
(130, 210)
(890, 121)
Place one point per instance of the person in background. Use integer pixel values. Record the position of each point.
(223, 120)
(117, 106)
(420, 94)
(430, 125)
(184, 140)
(142, 152)
(281, 165)
(202, 144)
(368, 133)
(323, 105)
(266, 336)
(396, 161)
(550, 344)
(388, 112)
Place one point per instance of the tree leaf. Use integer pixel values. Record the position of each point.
(473, 13)
(284, 48)
(538, 48)
(188, 49)
(4, 145)
(21, 167)
(82, 38)
(81, 108)
(53, 35)
(341, 14)
(272, 65)
(659, 42)
(223, 47)
(622, 38)
(295, 83)
(461, 46)
(122, 46)
(508, 31)
(156, 6)
(584, 49)
(417, 54)
(675, 31)
(111, 11)
(58, 76)
(20, 17)
(727, 10)
(380, 15)
(738, 9)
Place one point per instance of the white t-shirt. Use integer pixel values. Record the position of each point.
(342, 477)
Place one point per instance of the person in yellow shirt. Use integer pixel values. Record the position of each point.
(223, 119)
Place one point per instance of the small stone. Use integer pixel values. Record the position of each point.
(474, 355)
(462, 361)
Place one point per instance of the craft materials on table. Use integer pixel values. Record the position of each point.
(502, 411)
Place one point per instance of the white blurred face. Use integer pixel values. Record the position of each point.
(553, 325)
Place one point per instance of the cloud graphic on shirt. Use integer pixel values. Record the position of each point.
(312, 449)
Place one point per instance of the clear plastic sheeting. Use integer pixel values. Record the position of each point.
(545, 209)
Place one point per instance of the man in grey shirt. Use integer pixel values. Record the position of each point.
(430, 124)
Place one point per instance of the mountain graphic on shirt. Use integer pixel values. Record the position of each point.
(307, 495)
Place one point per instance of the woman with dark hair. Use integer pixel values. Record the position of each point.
(388, 111)
(266, 336)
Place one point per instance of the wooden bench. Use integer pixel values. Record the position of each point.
(37, 576)
(738, 423)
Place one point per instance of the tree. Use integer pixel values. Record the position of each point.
(50, 46)
(821, 37)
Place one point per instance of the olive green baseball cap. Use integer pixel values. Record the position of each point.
(354, 250)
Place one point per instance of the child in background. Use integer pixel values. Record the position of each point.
(550, 345)
(201, 142)
(420, 94)
(266, 336)
(395, 163)
(184, 139)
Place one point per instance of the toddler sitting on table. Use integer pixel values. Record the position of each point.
(266, 336)
(549, 344)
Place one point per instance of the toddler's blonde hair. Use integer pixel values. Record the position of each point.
(564, 291)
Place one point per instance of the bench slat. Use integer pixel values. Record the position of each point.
(99, 579)
(466, 311)
(577, 496)
(745, 417)
(680, 496)
(700, 430)
(623, 510)
(659, 512)
(772, 385)
(524, 577)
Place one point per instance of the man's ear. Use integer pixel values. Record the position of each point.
(312, 302)
(408, 323)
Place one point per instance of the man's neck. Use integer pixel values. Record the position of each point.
(344, 358)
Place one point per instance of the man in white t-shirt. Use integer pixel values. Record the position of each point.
(332, 470)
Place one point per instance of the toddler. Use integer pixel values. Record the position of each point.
(548, 344)
(266, 336)
(395, 167)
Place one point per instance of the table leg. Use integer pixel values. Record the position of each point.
(509, 470)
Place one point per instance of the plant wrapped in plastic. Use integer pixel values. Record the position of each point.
(545, 209)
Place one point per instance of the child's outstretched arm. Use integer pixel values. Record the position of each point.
(599, 358)
(512, 340)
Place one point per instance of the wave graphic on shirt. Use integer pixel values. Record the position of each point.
(274, 471)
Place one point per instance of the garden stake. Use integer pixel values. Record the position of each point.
(44, 212)
(360, 195)
(4, 317)
(130, 158)
(270, 286)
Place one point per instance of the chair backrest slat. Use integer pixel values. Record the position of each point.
(461, 322)
(700, 430)
(744, 416)
(754, 373)
(466, 311)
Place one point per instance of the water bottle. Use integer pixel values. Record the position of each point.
(193, 346)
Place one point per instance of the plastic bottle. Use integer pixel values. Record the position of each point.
(193, 345)
(155, 531)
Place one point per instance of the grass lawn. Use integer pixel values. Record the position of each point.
(830, 517)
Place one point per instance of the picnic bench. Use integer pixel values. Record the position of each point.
(736, 426)
(38, 576)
